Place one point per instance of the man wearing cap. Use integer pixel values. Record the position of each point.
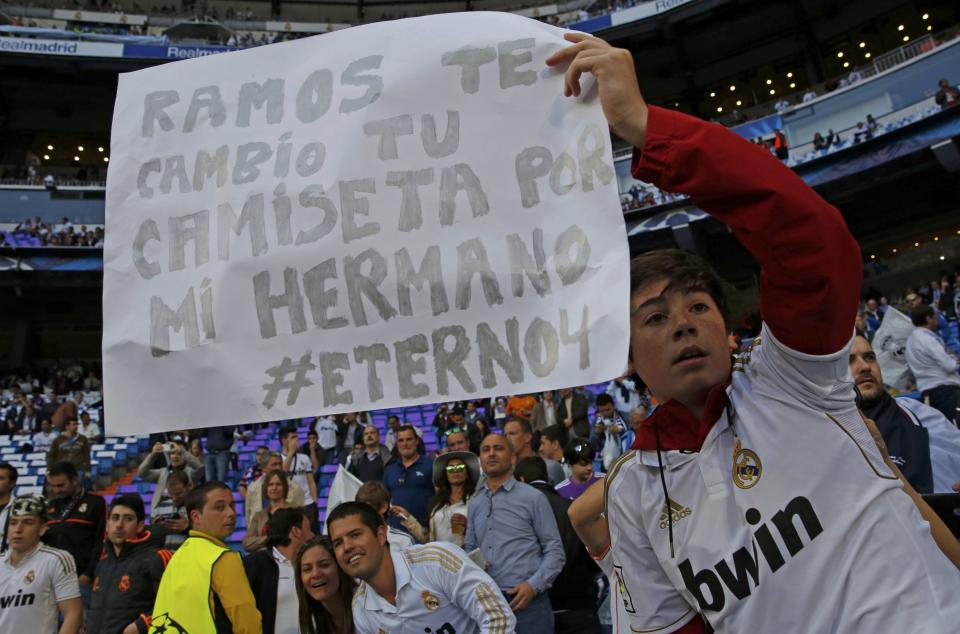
(430, 588)
(38, 584)
(128, 574)
(580, 455)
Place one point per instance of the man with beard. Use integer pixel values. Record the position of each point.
(430, 588)
(921, 441)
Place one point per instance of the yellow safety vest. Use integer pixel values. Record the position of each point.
(183, 599)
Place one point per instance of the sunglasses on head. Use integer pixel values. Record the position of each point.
(456, 468)
(452, 430)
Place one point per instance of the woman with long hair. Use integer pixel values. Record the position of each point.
(324, 591)
(275, 489)
(455, 477)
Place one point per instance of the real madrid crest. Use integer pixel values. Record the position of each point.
(430, 601)
(746, 467)
(30, 577)
(82, 508)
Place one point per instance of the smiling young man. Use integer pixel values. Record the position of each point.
(430, 588)
(756, 497)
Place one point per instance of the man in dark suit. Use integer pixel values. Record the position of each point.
(271, 572)
(572, 412)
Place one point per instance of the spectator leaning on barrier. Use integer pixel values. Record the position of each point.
(176, 458)
(409, 478)
(430, 588)
(48, 576)
(934, 368)
(71, 447)
(513, 526)
(128, 574)
(204, 588)
(8, 480)
(270, 571)
(573, 594)
(76, 522)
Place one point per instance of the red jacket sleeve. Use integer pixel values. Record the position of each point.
(810, 265)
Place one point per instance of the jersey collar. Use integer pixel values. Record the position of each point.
(678, 429)
(373, 601)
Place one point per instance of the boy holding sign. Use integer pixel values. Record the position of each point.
(755, 492)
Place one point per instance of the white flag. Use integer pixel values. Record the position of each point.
(890, 345)
(344, 489)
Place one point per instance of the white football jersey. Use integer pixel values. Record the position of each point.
(439, 591)
(787, 520)
(30, 591)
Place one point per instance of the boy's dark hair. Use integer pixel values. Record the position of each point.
(604, 399)
(554, 433)
(370, 518)
(63, 468)
(132, 501)
(684, 270)
(373, 493)
(531, 469)
(281, 523)
(9, 468)
(312, 433)
(920, 314)
(197, 498)
(286, 431)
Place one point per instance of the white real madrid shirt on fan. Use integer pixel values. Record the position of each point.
(300, 468)
(439, 591)
(29, 592)
(787, 517)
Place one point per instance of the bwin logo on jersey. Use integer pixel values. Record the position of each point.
(17, 600)
(745, 565)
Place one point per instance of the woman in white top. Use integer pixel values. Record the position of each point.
(455, 477)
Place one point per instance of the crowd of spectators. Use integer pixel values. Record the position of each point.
(37, 232)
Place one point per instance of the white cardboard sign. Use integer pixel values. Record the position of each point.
(399, 213)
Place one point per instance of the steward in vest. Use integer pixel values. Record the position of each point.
(204, 589)
(128, 573)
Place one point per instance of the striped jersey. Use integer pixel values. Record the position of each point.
(439, 590)
(786, 520)
(29, 592)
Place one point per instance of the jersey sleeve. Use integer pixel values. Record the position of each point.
(810, 265)
(472, 590)
(820, 382)
(66, 585)
(650, 601)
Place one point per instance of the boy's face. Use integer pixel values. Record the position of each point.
(678, 342)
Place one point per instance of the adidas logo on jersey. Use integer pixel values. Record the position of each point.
(677, 510)
(745, 566)
(17, 600)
